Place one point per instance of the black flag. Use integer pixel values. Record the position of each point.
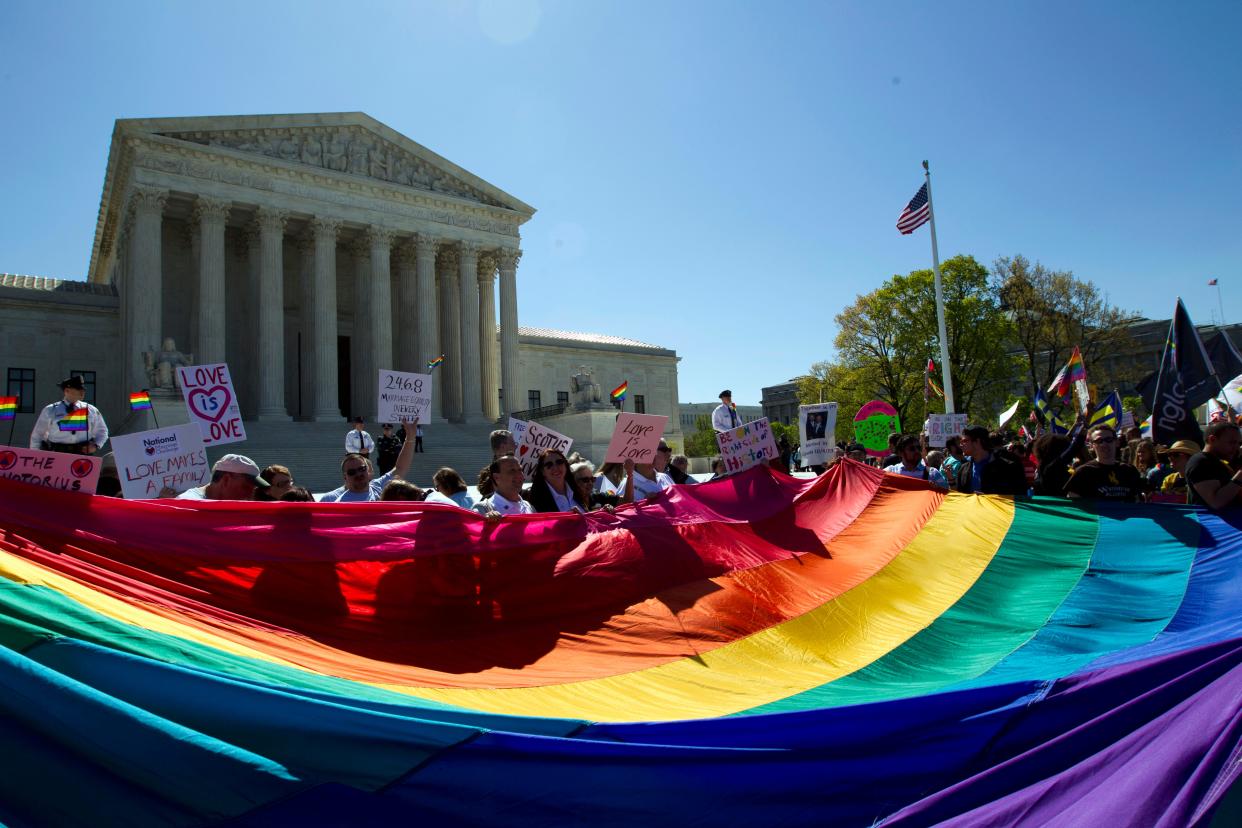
(1184, 382)
(1225, 357)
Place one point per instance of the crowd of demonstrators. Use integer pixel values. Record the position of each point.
(359, 480)
(911, 463)
(233, 477)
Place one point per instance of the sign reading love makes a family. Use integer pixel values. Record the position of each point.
(209, 397)
(636, 438)
(404, 396)
(149, 462)
(747, 445)
(872, 425)
(50, 469)
(535, 439)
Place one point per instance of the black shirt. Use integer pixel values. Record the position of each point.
(1120, 481)
(1201, 468)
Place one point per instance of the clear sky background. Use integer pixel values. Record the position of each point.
(719, 178)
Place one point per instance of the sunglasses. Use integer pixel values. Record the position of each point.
(551, 464)
(1105, 440)
(356, 471)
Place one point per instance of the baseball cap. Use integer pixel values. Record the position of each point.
(239, 464)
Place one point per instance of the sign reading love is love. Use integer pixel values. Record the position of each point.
(50, 469)
(535, 439)
(163, 458)
(873, 423)
(212, 403)
(636, 437)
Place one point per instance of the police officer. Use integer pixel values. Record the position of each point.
(70, 426)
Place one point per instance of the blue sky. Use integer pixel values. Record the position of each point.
(718, 178)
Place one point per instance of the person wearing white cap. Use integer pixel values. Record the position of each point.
(233, 477)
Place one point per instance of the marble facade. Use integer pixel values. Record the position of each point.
(308, 251)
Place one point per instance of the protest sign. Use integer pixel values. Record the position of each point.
(1127, 420)
(150, 461)
(873, 423)
(404, 396)
(517, 428)
(817, 428)
(747, 445)
(1008, 413)
(940, 427)
(635, 437)
(53, 470)
(212, 403)
(535, 438)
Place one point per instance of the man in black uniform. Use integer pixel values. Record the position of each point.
(388, 447)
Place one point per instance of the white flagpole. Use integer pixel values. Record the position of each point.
(944, 337)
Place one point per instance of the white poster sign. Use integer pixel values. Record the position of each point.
(535, 439)
(941, 427)
(517, 428)
(747, 445)
(50, 469)
(817, 430)
(163, 458)
(404, 396)
(1007, 413)
(212, 403)
(635, 437)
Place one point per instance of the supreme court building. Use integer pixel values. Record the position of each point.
(306, 251)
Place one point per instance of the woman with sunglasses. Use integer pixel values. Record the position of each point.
(582, 475)
(549, 485)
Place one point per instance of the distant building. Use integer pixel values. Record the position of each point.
(780, 402)
(690, 413)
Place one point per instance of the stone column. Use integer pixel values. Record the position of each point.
(306, 314)
(379, 324)
(210, 214)
(428, 319)
(361, 357)
(450, 333)
(406, 333)
(144, 295)
(269, 335)
(487, 336)
(508, 259)
(326, 406)
(246, 374)
(471, 376)
(195, 240)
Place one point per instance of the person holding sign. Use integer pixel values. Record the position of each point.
(360, 485)
(724, 417)
(646, 480)
(70, 426)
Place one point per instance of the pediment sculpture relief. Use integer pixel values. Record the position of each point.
(342, 149)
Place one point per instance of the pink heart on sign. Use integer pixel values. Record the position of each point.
(210, 404)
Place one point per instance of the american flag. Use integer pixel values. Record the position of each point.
(916, 213)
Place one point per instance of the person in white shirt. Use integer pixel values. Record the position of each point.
(233, 477)
(911, 453)
(360, 483)
(724, 417)
(648, 482)
(550, 489)
(54, 430)
(358, 441)
(506, 499)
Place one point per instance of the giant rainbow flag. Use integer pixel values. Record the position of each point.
(858, 649)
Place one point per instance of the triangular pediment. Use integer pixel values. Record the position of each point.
(348, 143)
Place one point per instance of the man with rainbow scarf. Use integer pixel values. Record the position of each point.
(70, 425)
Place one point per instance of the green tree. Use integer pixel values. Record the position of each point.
(886, 337)
(702, 443)
(1052, 311)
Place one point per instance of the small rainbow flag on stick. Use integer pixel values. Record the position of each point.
(618, 393)
(74, 422)
(8, 408)
(435, 363)
(140, 401)
(1074, 371)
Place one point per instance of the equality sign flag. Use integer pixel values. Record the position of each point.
(404, 396)
(747, 445)
(50, 469)
(636, 437)
(872, 425)
(817, 430)
(212, 403)
(536, 438)
(163, 458)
